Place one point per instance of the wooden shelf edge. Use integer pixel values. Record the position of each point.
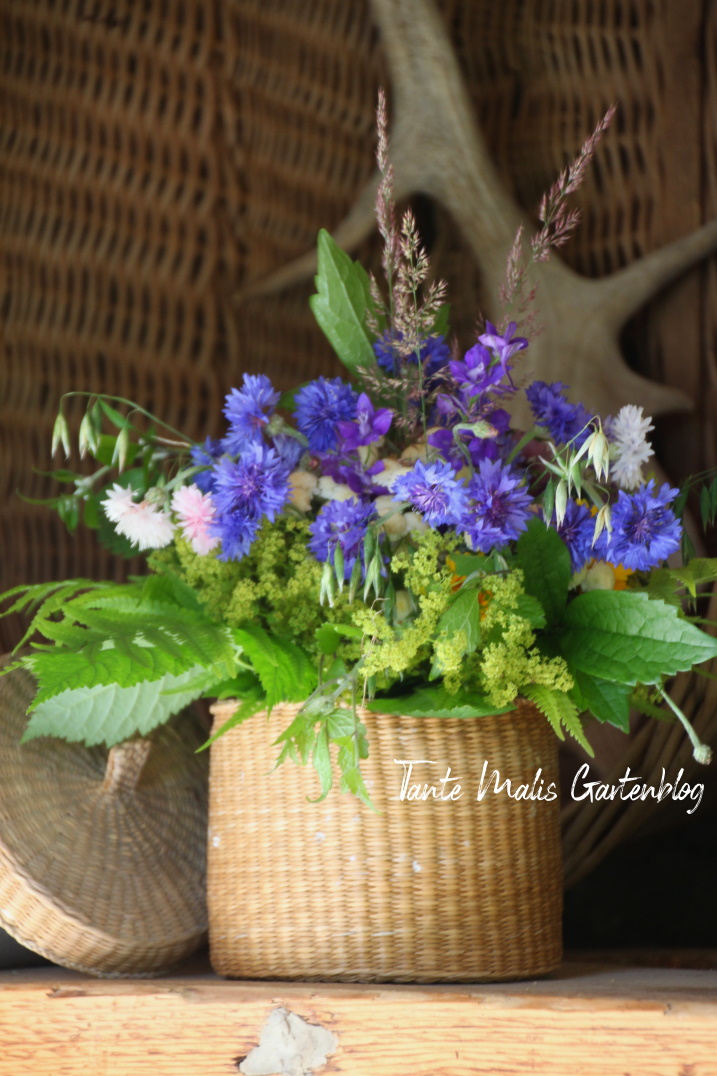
(590, 1018)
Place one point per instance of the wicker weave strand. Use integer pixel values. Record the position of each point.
(421, 891)
(101, 861)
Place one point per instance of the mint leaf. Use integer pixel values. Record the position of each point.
(436, 702)
(341, 302)
(545, 562)
(110, 714)
(626, 637)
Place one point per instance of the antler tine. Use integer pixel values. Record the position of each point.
(625, 291)
(437, 149)
(352, 230)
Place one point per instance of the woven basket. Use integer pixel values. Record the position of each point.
(102, 857)
(425, 891)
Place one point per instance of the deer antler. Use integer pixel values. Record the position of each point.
(438, 150)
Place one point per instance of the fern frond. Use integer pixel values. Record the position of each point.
(560, 711)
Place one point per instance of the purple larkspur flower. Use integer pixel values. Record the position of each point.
(320, 406)
(645, 530)
(500, 506)
(205, 455)
(476, 373)
(341, 524)
(434, 491)
(248, 410)
(564, 420)
(577, 531)
(434, 353)
(505, 345)
(478, 448)
(244, 493)
(371, 423)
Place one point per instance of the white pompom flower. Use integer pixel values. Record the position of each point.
(143, 524)
(629, 449)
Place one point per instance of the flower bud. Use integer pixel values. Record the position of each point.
(60, 435)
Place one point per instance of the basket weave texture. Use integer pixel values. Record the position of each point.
(101, 860)
(423, 891)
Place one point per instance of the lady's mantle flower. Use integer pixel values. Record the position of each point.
(320, 406)
(144, 524)
(434, 491)
(645, 531)
(565, 421)
(341, 524)
(248, 410)
(499, 508)
(630, 449)
(370, 424)
(244, 493)
(577, 530)
(196, 512)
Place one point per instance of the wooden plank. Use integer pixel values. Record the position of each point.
(586, 1019)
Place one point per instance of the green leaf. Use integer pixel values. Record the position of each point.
(545, 561)
(560, 711)
(110, 714)
(341, 302)
(626, 637)
(436, 702)
(606, 700)
(463, 615)
(252, 702)
(441, 322)
(286, 672)
(329, 636)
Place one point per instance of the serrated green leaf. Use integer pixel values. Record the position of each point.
(606, 700)
(286, 672)
(560, 711)
(436, 702)
(109, 714)
(341, 302)
(545, 562)
(628, 638)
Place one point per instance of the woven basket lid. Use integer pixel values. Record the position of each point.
(102, 855)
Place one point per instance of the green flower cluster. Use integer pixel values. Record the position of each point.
(275, 586)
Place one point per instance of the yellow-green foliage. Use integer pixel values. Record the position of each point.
(512, 661)
(276, 585)
(395, 651)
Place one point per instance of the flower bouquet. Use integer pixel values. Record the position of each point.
(387, 544)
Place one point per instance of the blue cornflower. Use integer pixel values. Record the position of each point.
(320, 405)
(248, 410)
(434, 491)
(500, 506)
(434, 353)
(370, 424)
(645, 531)
(289, 448)
(565, 421)
(341, 524)
(205, 455)
(577, 531)
(244, 493)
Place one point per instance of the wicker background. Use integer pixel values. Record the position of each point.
(156, 156)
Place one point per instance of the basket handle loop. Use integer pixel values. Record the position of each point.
(125, 763)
